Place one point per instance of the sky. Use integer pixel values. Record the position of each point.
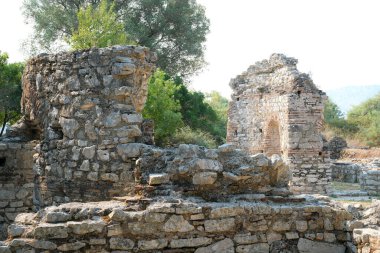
(336, 41)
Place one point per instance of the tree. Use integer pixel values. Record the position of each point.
(366, 118)
(10, 90)
(98, 27)
(162, 107)
(174, 29)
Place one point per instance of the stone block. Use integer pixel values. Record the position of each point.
(205, 178)
(308, 246)
(157, 179)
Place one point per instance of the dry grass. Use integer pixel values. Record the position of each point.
(360, 154)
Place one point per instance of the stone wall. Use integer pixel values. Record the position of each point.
(370, 181)
(182, 226)
(275, 109)
(84, 105)
(346, 172)
(16, 181)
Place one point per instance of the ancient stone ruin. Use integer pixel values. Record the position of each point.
(82, 139)
(277, 110)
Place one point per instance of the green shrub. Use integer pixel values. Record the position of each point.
(189, 136)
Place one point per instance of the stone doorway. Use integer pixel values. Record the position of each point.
(272, 139)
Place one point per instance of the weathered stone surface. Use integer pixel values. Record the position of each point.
(41, 244)
(221, 225)
(176, 223)
(87, 226)
(208, 165)
(15, 230)
(308, 246)
(121, 243)
(205, 178)
(224, 246)
(69, 126)
(157, 179)
(47, 231)
(89, 152)
(190, 243)
(55, 217)
(152, 244)
(253, 248)
(71, 246)
(7, 195)
(129, 150)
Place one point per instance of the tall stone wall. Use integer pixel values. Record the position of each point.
(275, 109)
(85, 106)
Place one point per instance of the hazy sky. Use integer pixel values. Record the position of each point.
(337, 41)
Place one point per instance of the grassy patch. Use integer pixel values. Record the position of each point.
(341, 186)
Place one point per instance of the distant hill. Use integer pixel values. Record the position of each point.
(346, 97)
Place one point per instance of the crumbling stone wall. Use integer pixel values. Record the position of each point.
(16, 181)
(275, 109)
(183, 226)
(335, 146)
(85, 106)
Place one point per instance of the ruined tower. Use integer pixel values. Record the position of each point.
(276, 109)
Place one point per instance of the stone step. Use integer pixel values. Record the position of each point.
(352, 193)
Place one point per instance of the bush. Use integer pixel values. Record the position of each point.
(189, 136)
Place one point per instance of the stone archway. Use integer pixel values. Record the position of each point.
(272, 139)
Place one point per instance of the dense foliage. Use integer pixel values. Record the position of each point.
(162, 107)
(366, 118)
(98, 27)
(183, 116)
(10, 90)
(174, 29)
(362, 123)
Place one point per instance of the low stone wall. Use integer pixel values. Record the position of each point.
(370, 181)
(182, 226)
(346, 172)
(16, 181)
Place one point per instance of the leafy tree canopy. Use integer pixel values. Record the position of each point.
(10, 90)
(366, 117)
(174, 29)
(98, 27)
(162, 107)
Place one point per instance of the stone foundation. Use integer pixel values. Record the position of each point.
(182, 226)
